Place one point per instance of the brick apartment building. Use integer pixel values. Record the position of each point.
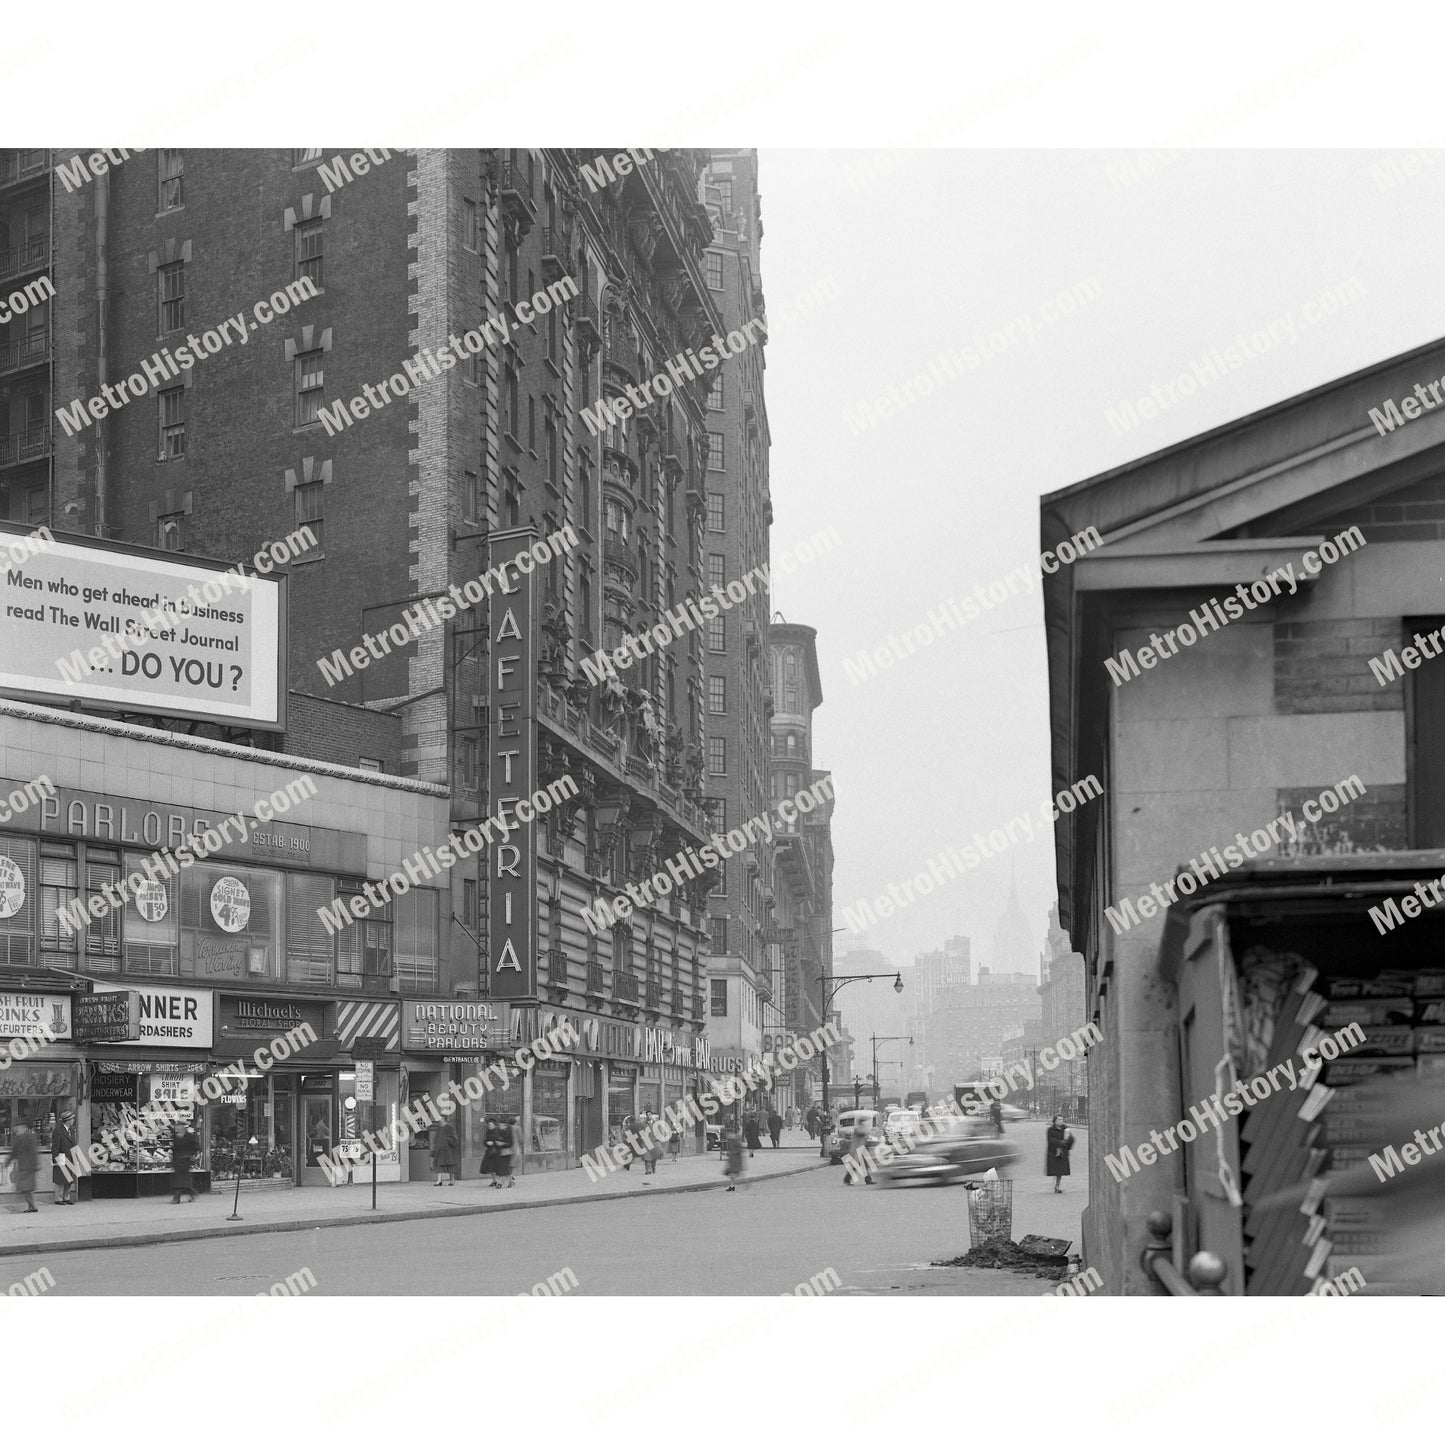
(365, 412)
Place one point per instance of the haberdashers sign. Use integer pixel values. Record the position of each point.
(176, 1018)
(512, 771)
(140, 629)
(454, 1027)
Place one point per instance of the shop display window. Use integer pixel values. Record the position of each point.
(493, 1102)
(549, 1113)
(231, 923)
(264, 1110)
(118, 1101)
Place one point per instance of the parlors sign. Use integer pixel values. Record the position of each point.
(455, 1027)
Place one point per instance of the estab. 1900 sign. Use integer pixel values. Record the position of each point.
(143, 629)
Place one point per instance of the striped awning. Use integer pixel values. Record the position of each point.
(368, 1017)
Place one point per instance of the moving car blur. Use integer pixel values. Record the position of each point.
(966, 1146)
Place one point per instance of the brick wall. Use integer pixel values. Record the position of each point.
(340, 733)
(241, 436)
(1324, 666)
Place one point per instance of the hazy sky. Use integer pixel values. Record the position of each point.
(930, 249)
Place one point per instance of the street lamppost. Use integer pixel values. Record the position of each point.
(883, 1039)
(830, 988)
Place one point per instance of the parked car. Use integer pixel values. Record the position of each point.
(714, 1137)
(841, 1137)
(969, 1146)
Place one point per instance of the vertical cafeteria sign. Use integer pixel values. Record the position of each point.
(512, 770)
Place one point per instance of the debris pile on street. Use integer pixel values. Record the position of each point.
(1008, 1255)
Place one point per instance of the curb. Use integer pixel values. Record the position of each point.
(341, 1221)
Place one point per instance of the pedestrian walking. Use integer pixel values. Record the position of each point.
(25, 1163)
(752, 1133)
(733, 1153)
(775, 1126)
(652, 1150)
(512, 1160)
(185, 1145)
(810, 1121)
(995, 1112)
(445, 1152)
(62, 1141)
(1056, 1154)
(629, 1131)
(858, 1152)
(496, 1137)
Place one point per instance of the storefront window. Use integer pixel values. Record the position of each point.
(265, 1111)
(152, 926)
(17, 902)
(649, 1096)
(309, 948)
(37, 1095)
(499, 1102)
(549, 1111)
(230, 923)
(118, 1099)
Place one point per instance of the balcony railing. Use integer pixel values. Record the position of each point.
(621, 352)
(28, 256)
(654, 994)
(557, 965)
(23, 166)
(554, 254)
(596, 982)
(589, 329)
(624, 987)
(27, 351)
(25, 446)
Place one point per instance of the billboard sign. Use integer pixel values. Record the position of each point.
(134, 628)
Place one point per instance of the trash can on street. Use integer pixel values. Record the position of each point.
(991, 1212)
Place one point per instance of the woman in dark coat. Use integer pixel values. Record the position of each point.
(62, 1141)
(184, 1149)
(775, 1126)
(1056, 1153)
(752, 1134)
(445, 1152)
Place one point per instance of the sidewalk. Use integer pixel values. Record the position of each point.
(110, 1223)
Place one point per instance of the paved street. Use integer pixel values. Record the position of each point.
(765, 1239)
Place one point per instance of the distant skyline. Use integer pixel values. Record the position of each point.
(936, 255)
